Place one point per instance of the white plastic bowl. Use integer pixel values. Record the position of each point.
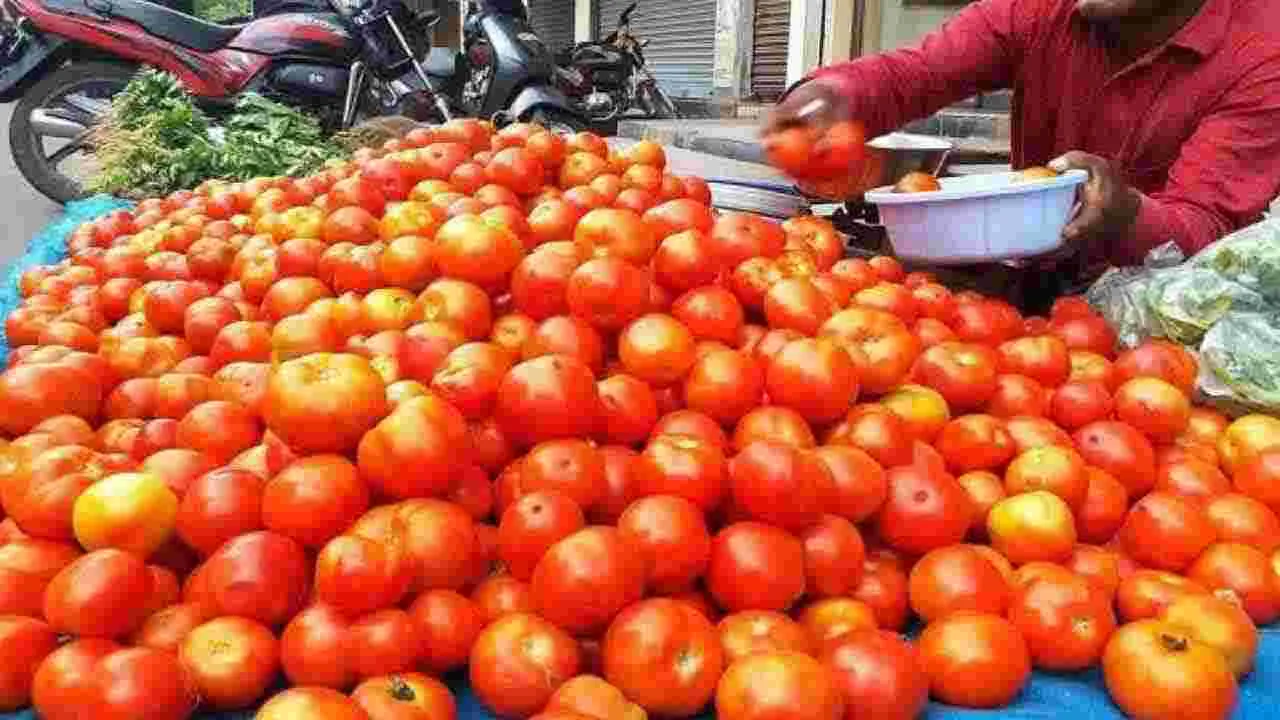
(978, 218)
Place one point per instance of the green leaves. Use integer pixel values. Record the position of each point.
(155, 141)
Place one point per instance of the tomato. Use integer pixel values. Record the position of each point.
(685, 260)
(65, 675)
(975, 442)
(878, 673)
(779, 484)
(134, 512)
(324, 402)
(101, 594)
(760, 631)
(31, 393)
(166, 628)
(1078, 403)
(816, 378)
(987, 321)
(684, 466)
(519, 661)
(449, 624)
(1066, 624)
(313, 649)
(311, 702)
(1146, 593)
(736, 237)
(858, 482)
(1243, 572)
(829, 618)
(797, 304)
(408, 696)
(1240, 518)
(955, 578)
(1156, 408)
(755, 567)
(1245, 440)
(1032, 526)
(724, 384)
(569, 336)
(1155, 670)
(1221, 624)
(974, 660)
(597, 565)
(230, 661)
(314, 499)
(777, 685)
(383, 642)
(665, 656)
(1120, 450)
(965, 374)
(875, 430)
(532, 524)
(24, 644)
(592, 697)
(924, 510)
(546, 398)
(260, 576)
(1166, 531)
(607, 292)
(773, 424)
(26, 567)
(219, 505)
(1159, 359)
(620, 484)
(1089, 333)
(424, 433)
(672, 531)
(1055, 469)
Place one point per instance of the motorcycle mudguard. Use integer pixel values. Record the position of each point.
(532, 97)
(20, 66)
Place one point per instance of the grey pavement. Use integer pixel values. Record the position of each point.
(23, 211)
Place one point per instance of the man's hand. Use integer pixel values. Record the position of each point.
(1108, 206)
(817, 103)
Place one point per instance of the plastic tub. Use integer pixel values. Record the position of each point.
(978, 218)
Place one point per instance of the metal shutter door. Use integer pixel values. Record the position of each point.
(552, 20)
(681, 35)
(769, 49)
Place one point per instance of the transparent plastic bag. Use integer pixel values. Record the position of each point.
(1249, 257)
(1238, 361)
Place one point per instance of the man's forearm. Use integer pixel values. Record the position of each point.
(1161, 221)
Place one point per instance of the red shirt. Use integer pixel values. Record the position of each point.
(1194, 125)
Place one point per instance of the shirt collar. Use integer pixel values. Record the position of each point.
(1204, 33)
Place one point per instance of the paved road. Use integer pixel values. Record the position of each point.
(23, 211)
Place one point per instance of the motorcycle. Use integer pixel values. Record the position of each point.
(341, 60)
(608, 78)
(505, 72)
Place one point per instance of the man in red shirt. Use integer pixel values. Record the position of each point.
(1173, 106)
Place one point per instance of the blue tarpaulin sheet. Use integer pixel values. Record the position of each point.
(1077, 696)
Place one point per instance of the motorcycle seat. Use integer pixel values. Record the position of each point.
(441, 62)
(163, 22)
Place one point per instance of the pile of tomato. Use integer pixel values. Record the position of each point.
(521, 404)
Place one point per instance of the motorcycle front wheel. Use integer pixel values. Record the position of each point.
(655, 103)
(50, 131)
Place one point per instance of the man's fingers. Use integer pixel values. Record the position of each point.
(1090, 217)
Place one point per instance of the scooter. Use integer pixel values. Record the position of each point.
(607, 78)
(505, 72)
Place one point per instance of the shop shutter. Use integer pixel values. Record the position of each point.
(681, 35)
(769, 49)
(552, 20)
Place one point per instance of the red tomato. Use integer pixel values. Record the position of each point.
(975, 660)
(587, 578)
(755, 567)
(313, 649)
(975, 442)
(139, 682)
(1066, 624)
(924, 510)
(1155, 670)
(953, 578)
(682, 465)
(407, 696)
(61, 681)
(573, 467)
(673, 532)
(519, 661)
(878, 673)
(546, 398)
(231, 661)
(101, 594)
(260, 576)
(833, 557)
(779, 484)
(665, 656)
(531, 525)
(314, 499)
(768, 685)
(760, 631)
(1243, 572)
(382, 643)
(449, 625)
(311, 702)
(1166, 531)
(1120, 450)
(24, 644)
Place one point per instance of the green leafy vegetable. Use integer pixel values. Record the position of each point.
(155, 141)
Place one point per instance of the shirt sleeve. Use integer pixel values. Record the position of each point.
(1225, 175)
(977, 50)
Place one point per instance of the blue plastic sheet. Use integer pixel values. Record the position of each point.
(47, 248)
(1074, 697)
